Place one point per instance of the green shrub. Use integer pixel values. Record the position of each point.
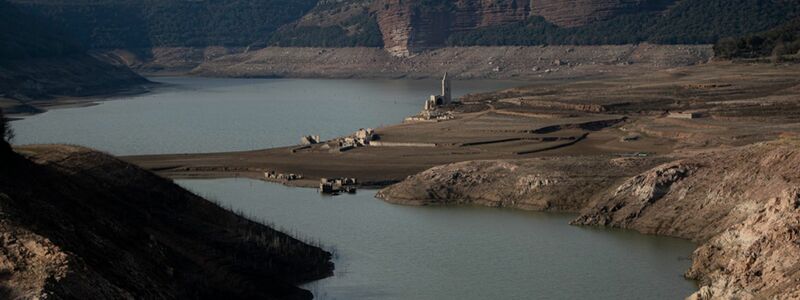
(6, 133)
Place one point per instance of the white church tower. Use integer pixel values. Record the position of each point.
(446, 97)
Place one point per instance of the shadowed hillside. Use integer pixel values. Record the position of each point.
(154, 23)
(37, 62)
(415, 25)
(78, 224)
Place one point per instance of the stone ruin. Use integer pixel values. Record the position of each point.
(360, 138)
(337, 185)
(282, 176)
(310, 140)
(430, 110)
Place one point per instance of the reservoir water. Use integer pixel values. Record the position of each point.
(191, 115)
(382, 251)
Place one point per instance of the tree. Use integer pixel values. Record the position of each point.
(6, 131)
(778, 52)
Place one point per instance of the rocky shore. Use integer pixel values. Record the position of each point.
(743, 212)
(707, 153)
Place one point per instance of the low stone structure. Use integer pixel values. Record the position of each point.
(272, 175)
(337, 185)
(684, 115)
(365, 136)
(310, 140)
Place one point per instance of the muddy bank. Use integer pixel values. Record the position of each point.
(80, 224)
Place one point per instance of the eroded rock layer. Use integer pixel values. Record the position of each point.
(742, 204)
(411, 26)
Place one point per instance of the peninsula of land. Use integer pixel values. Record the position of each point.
(704, 152)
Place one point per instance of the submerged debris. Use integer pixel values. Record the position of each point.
(334, 186)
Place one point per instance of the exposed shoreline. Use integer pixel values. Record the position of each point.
(504, 63)
(34, 107)
(528, 62)
(463, 169)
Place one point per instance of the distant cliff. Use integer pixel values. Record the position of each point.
(405, 27)
(411, 26)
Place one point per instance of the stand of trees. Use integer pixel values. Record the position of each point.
(687, 22)
(775, 43)
(152, 23)
(6, 133)
(23, 36)
(366, 33)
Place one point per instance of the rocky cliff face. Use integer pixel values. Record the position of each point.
(746, 211)
(410, 26)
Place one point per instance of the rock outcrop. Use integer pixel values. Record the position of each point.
(558, 184)
(78, 224)
(741, 204)
(411, 26)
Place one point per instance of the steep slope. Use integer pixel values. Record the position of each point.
(408, 27)
(574, 13)
(36, 62)
(78, 224)
(746, 211)
(332, 23)
(155, 23)
(683, 22)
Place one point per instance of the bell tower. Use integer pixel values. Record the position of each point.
(446, 97)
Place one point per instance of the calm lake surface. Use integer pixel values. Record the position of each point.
(382, 251)
(193, 115)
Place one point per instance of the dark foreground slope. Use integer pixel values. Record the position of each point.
(78, 224)
(37, 62)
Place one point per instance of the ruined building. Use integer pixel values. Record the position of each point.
(443, 99)
(431, 112)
